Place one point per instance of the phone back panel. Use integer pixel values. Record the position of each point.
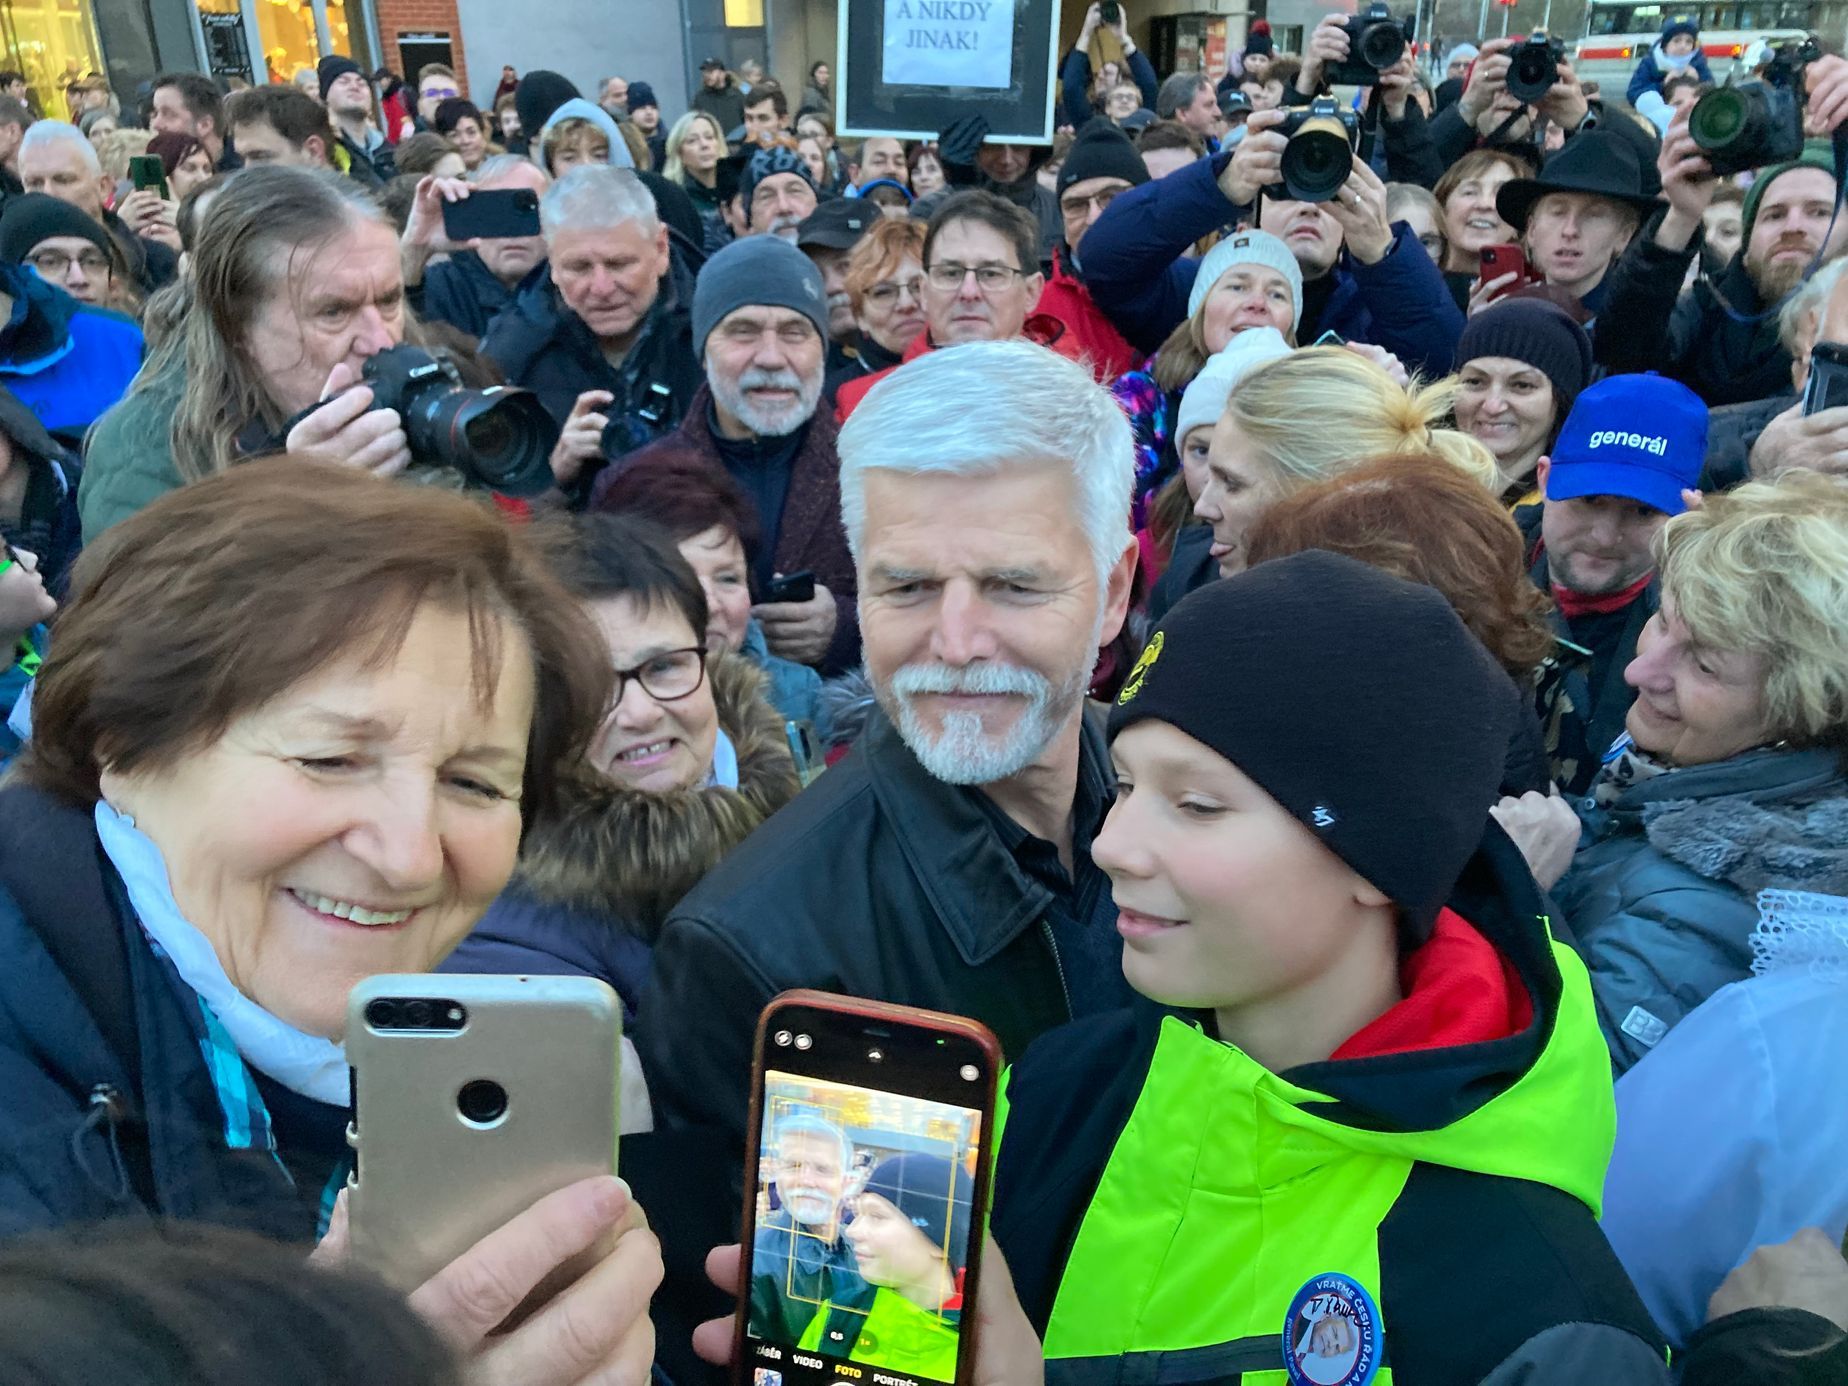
(430, 1183)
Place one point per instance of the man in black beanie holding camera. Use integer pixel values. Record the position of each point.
(1101, 164)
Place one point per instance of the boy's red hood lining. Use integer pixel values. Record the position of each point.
(1459, 990)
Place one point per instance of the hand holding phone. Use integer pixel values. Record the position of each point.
(492, 214)
(866, 1191)
(1827, 386)
(148, 174)
(1501, 262)
(791, 587)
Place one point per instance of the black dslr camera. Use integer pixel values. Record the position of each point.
(1319, 154)
(1533, 67)
(1375, 42)
(501, 438)
(1755, 123)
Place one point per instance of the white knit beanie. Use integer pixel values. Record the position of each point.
(1249, 248)
(1205, 399)
(1466, 51)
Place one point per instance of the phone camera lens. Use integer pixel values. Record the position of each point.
(782, 1039)
(417, 1014)
(970, 1073)
(804, 1042)
(482, 1101)
(382, 1015)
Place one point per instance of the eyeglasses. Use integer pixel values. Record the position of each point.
(990, 279)
(666, 677)
(887, 290)
(439, 93)
(54, 264)
(1076, 206)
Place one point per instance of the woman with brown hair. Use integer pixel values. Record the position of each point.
(885, 282)
(1466, 193)
(294, 726)
(1423, 518)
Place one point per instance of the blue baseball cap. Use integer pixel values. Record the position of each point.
(1643, 437)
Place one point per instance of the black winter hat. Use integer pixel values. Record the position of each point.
(640, 95)
(934, 1194)
(1357, 700)
(33, 217)
(767, 163)
(1598, 161)
(1101, 151)
(1538, 333)
(1259, 45)
(332, 68)
(539, 94)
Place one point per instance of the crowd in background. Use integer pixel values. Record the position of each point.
(1346, 676)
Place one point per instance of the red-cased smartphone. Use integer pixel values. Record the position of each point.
(866, 1194)
(1498, 260)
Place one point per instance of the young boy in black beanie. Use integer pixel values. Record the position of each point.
(1362, 1132)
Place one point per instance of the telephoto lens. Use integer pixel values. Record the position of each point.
(500, 438)
(1746, 127)
(1318, 158)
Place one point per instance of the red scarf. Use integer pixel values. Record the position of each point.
(1573, 605)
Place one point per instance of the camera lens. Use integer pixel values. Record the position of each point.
(804, 1042)
(1317, 161)
(500, 438)
(417, 1014)
(875, 1056)
(1381, 45)
(382, 1015)
(482, 1101)
(970, 1073)
(1533, 72)
(783, 1037)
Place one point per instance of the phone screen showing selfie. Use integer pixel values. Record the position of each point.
(866, 1203)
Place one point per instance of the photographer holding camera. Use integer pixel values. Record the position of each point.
(1365, 277)
(1721, 338)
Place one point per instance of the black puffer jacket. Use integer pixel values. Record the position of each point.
(542, 345)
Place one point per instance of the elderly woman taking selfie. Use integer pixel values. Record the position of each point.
(1729, 777)
(289, 734)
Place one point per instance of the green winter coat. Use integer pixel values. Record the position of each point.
(128, 455)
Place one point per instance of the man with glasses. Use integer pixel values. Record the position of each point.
(1100, 165)
(760, 326)
(436, 84)
(66, 247)
(981, 280)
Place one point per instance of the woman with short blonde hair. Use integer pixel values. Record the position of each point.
(1728, 780)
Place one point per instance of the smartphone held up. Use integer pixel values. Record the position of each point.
(866, 1192)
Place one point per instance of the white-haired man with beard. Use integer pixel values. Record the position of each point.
(800, 1262)
(946, 861)
(760, 328)
(778, 193)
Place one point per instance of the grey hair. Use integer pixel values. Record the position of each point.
(497, 165)
(988, 407)
(42, 134)
(1179, 90)
(1804, 309)
(597, 197)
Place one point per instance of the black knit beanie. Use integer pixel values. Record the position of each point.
(332, 68)
(934, 1194)
(1535, 332)
(34, 217)
(539, 94)
(1101, 151)
(1357, 700)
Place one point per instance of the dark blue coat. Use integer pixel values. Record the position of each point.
(109, 1109)
(463, 292)
(1136, 267)
(522, 933)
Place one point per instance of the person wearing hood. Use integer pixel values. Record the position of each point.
(603, 336)
(690, 758)
(1298, 891)
(1728, 779)
(971, 160)
(1100, 164)
(1721, 336)
(1678, 50)
(65, 361)
(580, 132)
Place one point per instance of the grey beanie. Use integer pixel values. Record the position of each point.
(764, 270)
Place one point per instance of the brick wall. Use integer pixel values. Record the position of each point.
(422, 17)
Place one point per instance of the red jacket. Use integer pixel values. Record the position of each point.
(1088, 336)
(1047, 331)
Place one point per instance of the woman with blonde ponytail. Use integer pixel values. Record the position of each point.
(1312, 415)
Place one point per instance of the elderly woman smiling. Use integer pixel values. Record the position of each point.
(287, 738)
(1729, 779)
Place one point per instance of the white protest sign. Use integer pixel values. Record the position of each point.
(949, 43)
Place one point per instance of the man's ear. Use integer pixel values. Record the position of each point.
(1541, 468)
(316, 148)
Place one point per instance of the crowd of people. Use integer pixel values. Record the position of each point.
(1346, 679)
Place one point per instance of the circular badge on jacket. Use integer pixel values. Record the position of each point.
(1333, 1335)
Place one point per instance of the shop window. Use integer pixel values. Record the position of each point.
(54, 43)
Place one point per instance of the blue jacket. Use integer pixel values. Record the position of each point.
(66, 362)
(1649, 74)
(110, 1109)
(1138, 272)
(1661, 895)
(523, 932)
(463, 292)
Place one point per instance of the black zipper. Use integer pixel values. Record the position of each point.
(1058, 966)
